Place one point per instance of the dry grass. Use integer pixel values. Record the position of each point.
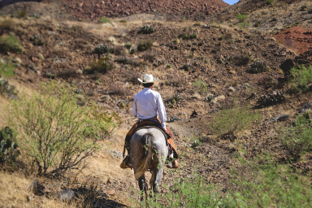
(14, 193)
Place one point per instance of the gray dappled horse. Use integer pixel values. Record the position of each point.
(148, 151)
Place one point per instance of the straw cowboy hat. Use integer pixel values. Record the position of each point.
(148, 78)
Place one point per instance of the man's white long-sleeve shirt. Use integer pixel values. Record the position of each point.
(147, 104)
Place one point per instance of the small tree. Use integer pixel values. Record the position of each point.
(54, 132)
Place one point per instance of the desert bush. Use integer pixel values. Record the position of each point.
(102, 66)
(8, 145)
(145, 44)
(128, 45)
(36, 40)
(6, 69)
(118, 89)
(258, 67)
(6, 89)
(267, 82)
(22, 14)
(54, 133)
(104, 20)
(241, 17)
(10, 44)
(244, 25)
(149, 56)
(132, 76)
(101, 49)
(269, 1)
(297, 139)
(123, 60)
(66, 73)
(123, 21)
(231, 121)
(200, 86)
(301, 77)
(241, 60)
(147, 29)
(7, 24)
(188, 37)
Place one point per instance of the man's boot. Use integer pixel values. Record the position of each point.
(126, 162)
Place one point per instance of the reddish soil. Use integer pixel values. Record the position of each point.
(296, 38)
(82, 9)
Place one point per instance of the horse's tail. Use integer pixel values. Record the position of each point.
(147, 154)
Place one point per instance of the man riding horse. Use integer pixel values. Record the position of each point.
(147, 104)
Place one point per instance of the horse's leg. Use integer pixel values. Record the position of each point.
(143, 186)
(158, 176)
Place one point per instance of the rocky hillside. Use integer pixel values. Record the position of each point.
(115, 8)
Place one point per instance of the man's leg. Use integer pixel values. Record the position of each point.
(126, 162)
(175, 163)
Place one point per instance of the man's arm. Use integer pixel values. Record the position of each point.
(161, 111)
(134, 108)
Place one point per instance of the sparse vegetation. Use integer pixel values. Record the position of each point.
(301, 77)
(231, 121)
(128, 45)
(22, 14)
(258, 67)
(188, 37)
(54, 133)
(297, 139)
(10, 44)
(147, 29)
(6, 69)
(200, 86)
(102, 66)
(104, 20)
(241, 17)
(7, 24)
(145, 44)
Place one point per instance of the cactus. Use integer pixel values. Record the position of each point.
(272, 98)
(258, 67)
(147, 29)
(8, 145)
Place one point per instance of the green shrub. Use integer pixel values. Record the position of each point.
(169, 66)
(188, 37)
(8, 145)
(7, 24)
(103, 65)
(123, 21)
(241, 17)
(145, 44)
(200, 86)
(197, 24)
(104, 20)
(244, 25)
(128, 45)
(10, 44)
(101, 49)
(301, 77)
(55, 133)
(6, 69)
(297, 139)
(269, 1)
(231, 121)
